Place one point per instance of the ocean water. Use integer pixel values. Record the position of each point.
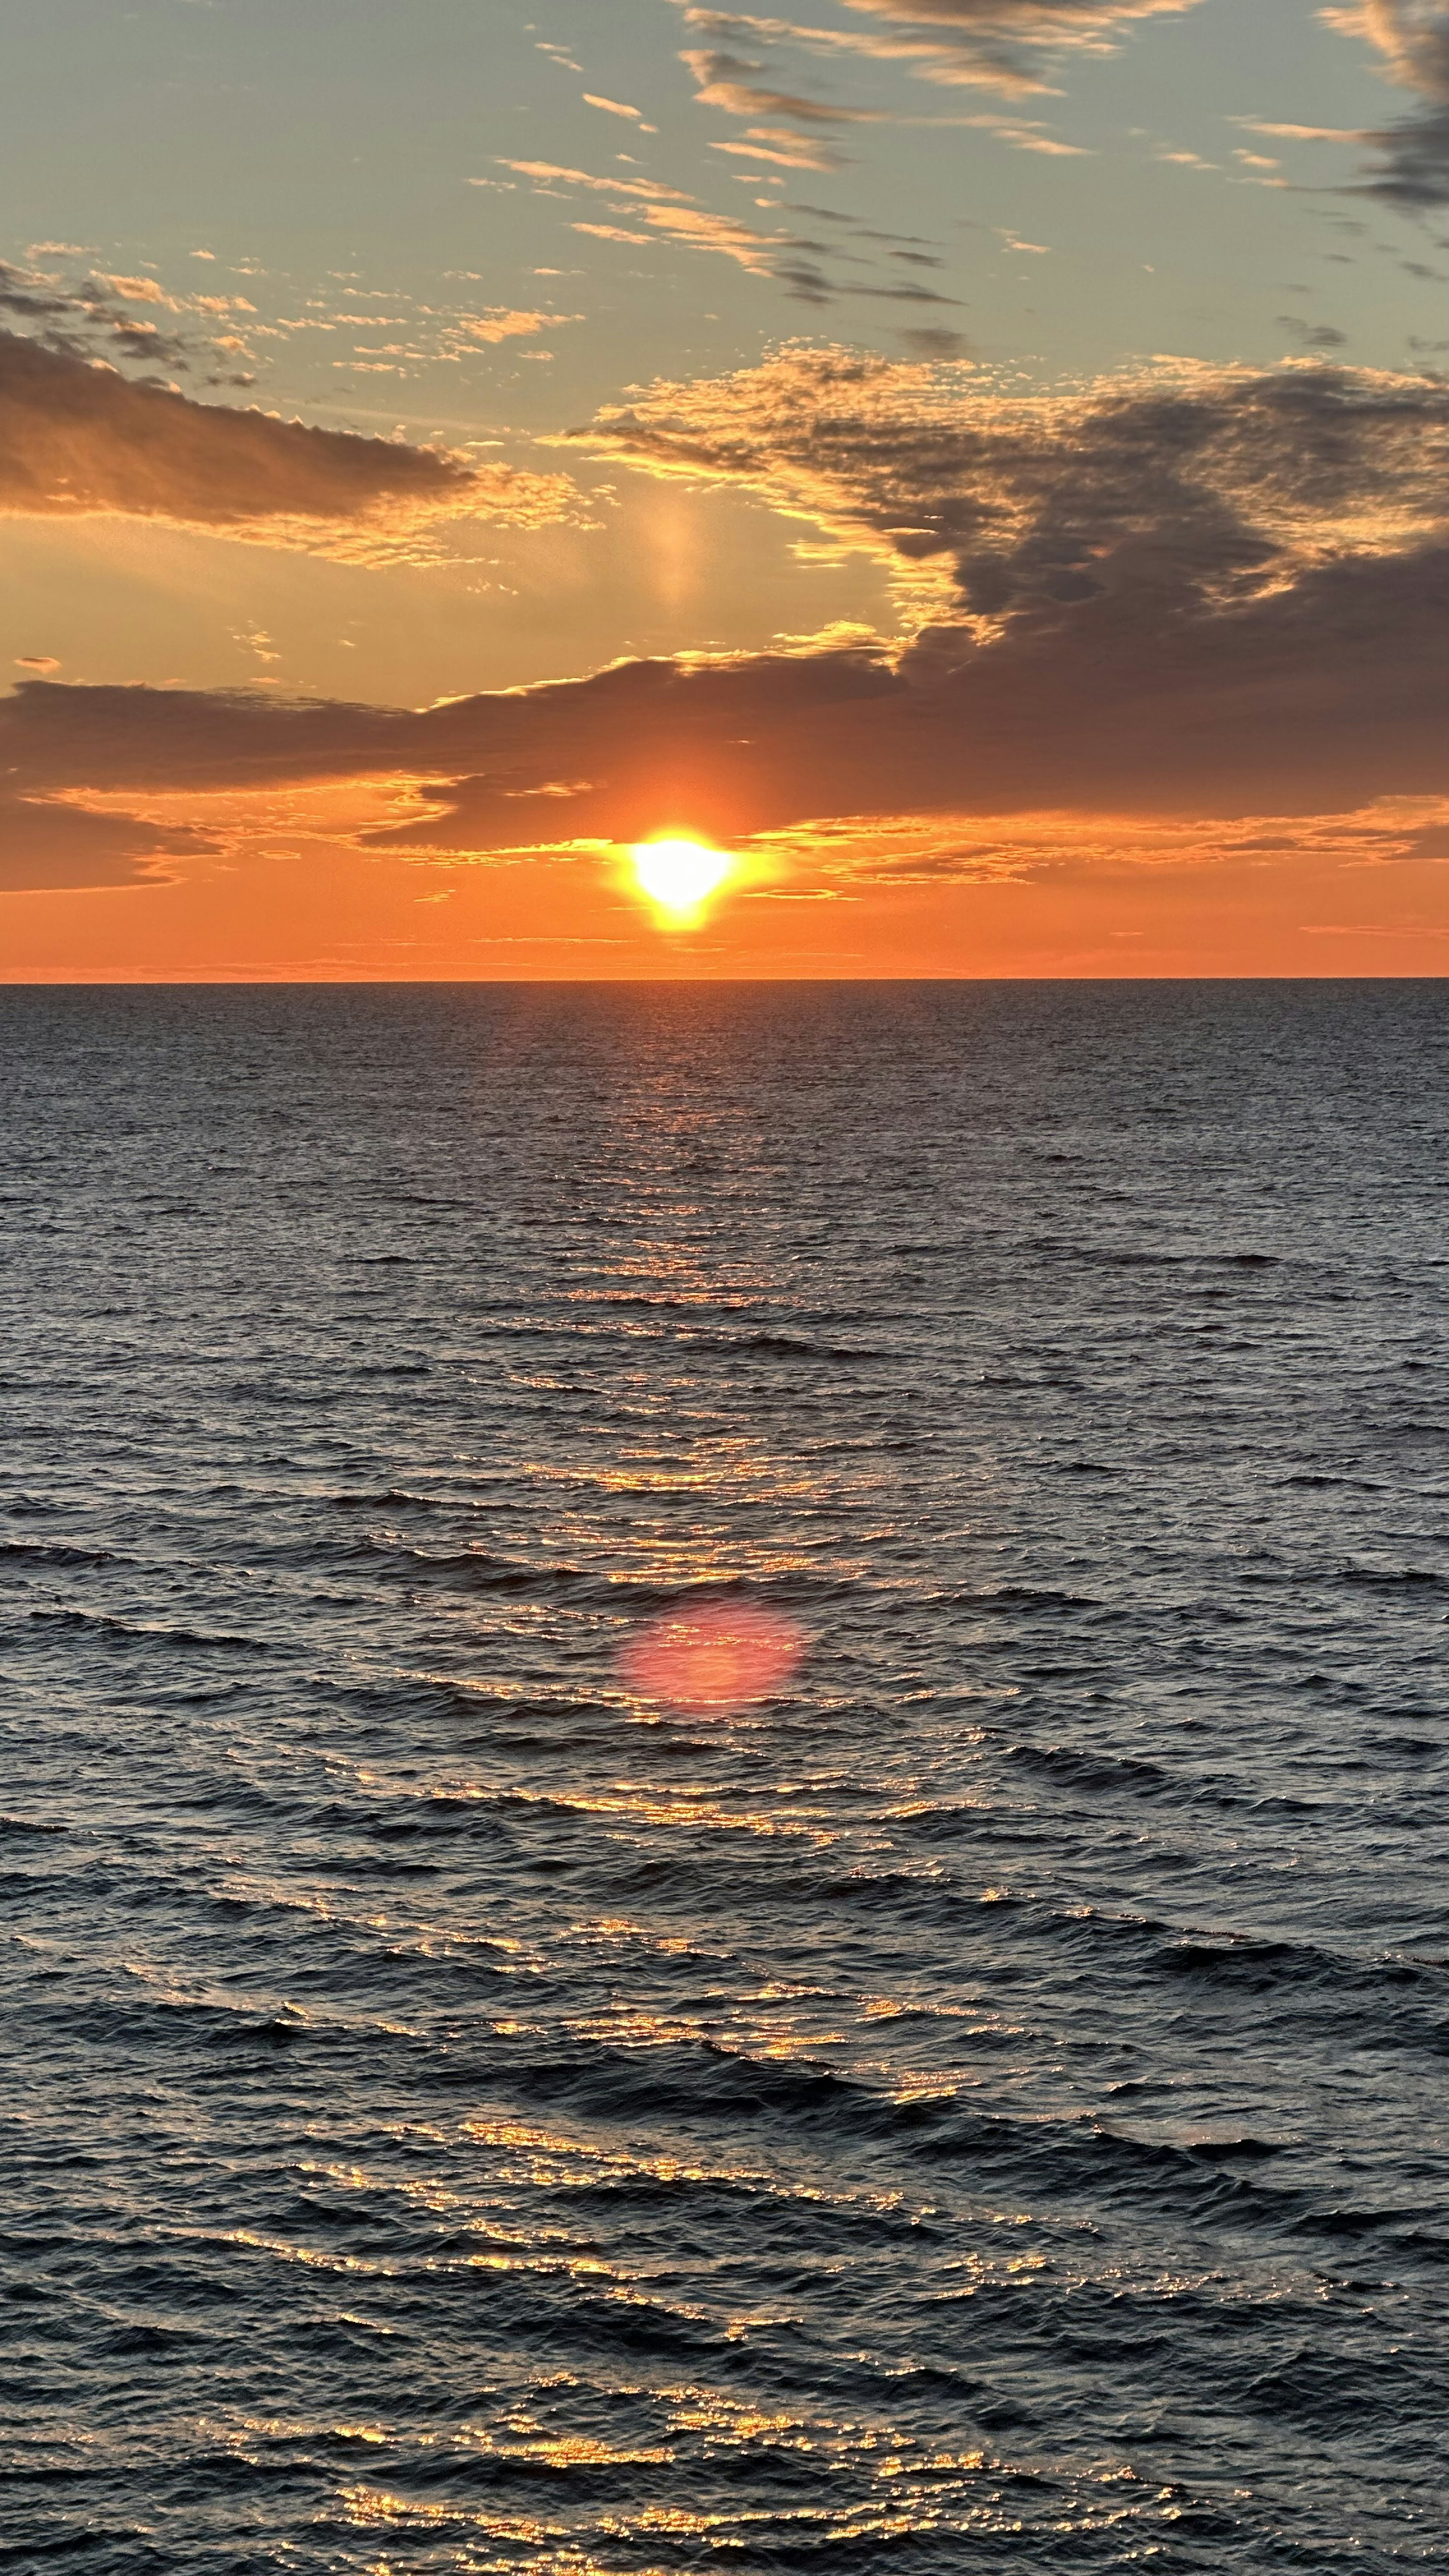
(982, 2107)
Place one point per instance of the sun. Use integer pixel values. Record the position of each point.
(679, 875)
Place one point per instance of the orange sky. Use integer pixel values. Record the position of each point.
(303, 907)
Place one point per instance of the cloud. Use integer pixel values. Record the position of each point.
(894, 850)
(666, 211)
(78, 440)
(1412, 37)
(992, 44)
(617, 107)
(1321, 336)
(500, 324)
(694, 225)
(1203, 596)
(784, 150)
(550, 174)
(91, 316)
(1414, 171)
(1321, 699)
(136, 290)
(51, 847)
(726, 80)
(1199, 485)
(937, 347)
(785, 258)
(1091, 25)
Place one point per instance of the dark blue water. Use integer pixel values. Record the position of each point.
(984, 2108)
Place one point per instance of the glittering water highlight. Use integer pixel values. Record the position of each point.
(979, 2104)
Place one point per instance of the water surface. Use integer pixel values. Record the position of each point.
(984, 2108)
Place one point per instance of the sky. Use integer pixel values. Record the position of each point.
(980, 466)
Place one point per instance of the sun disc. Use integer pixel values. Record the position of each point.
(679, 875)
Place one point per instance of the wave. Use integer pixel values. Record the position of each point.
(1392, 1578)
(38, 1552)
(477, 1569)
(1006, 1597)
(103, 1623)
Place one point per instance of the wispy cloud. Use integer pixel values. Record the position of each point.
(618, 107)
(668, 212)
(500, 323)
(92, 314)
(782, 149)
(555, 174)
(1412, 39)
(51, 845)
(727, 81)
(792, 260)
(1007, 45)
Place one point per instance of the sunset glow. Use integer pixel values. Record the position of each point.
(513, 600)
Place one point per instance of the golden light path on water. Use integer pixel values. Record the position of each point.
(679, 875)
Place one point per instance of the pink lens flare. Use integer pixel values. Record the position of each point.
(717, 1658)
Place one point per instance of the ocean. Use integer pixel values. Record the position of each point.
(976, 2100)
